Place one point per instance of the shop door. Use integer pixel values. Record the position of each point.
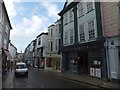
(83, 62)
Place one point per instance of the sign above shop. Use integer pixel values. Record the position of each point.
(82, 47)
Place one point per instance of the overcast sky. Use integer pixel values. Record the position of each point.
(29, 19)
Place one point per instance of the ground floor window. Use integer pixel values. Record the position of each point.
(49, 62)
(73, 62)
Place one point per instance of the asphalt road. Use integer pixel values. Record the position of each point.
(39, 79)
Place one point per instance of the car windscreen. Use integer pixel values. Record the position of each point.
(21, 66)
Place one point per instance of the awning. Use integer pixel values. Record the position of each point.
(8, 54)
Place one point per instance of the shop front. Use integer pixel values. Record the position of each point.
(88, 59)
(53, 62)
(5, 60)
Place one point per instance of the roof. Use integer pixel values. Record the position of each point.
(66, 8)
(42, 34)
(51, 25)
(13, 45)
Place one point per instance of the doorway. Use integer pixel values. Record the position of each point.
(82, 62)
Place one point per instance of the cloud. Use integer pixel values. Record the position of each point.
(27, 27)
(34, 25)
(10, 6)
(27, 30)
(51, 8)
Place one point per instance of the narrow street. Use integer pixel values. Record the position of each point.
(39, 79)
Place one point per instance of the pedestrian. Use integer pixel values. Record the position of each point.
(8, 68)
(11, 66)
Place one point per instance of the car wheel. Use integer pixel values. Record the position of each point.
(26, 74)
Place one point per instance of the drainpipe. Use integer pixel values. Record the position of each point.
(108, 63)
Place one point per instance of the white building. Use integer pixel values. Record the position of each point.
(13, 52)
(5, 27)
(53, 59)
(40, 48)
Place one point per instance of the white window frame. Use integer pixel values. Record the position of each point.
(5, 44)
(51, 32)
(81, 32)
(71, 15)
(71, 36)
(66, 38)
(80, 9)
(91, 29)
(65, 18)
(89, 6)
(39, 40)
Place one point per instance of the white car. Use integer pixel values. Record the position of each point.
(21, 69)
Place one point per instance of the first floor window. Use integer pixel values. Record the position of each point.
(56, 44)
(51, 46)
(71, 35)
(119, 17)
(65, 18)
(39, 41)
(66, 39)
(91, 29)
(81, 33)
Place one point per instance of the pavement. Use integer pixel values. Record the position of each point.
(105, 84)
(7, 82)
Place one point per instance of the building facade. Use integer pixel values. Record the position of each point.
(26, 55)
(111, 25)
(19, 57)
(53, 59)
(41, 47)
(82, 40)
(5, 27)
(13, 52)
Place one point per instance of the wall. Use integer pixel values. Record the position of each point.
(67, 28)
(110, 18)
(84, 19)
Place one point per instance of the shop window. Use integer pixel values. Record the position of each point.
(74, 62)
(49, 62)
